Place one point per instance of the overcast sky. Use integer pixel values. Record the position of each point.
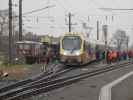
(52, 20)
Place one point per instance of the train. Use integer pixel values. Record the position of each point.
(74, 50)
(34, 52)
(70, 49)
(31, 51)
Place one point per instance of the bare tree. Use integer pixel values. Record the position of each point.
(31, 36)
(3, 23)
(120, 39)
(4, 29)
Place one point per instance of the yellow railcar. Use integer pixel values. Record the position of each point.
(73, 49)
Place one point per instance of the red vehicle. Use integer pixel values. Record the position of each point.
(31, 50)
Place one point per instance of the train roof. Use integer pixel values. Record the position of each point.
(28, 42)
(73, 34)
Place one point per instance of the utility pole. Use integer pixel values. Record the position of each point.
(70, 24)
(20, 20)
(127, 42)
(105, 32)
(10, 31)
(97, 30)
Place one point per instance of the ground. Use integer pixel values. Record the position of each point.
(126, 86)
(87, 89)
(18, 72)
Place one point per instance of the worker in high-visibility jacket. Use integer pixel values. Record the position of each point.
(114, 56)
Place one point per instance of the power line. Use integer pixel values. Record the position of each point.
(110, 9)
(95, 3)
(37, 10)
(68, 6)
(61, 5)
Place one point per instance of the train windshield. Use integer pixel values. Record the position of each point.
(71, 42)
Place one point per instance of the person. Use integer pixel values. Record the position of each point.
(132, 54)
(107, 57)
(129, 55)
(103, 56)
(114, 56)
(124, 55)
(97, 55)
(118, 56)
(110, 57)
(46, 59)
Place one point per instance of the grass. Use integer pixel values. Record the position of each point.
(15, 71)
(15, 66)
(18, 71)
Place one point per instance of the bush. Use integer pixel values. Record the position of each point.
(5, 61)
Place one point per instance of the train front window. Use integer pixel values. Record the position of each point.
(71, 42)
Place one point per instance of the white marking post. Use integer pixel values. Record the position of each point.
(105, 93)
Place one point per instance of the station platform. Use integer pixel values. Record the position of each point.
(123, 90)
(119, 89)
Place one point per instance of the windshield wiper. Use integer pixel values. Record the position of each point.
(73, 49)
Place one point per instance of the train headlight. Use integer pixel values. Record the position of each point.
(65, 53)
(77, 53)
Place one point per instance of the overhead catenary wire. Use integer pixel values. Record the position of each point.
(38, 10)
(34, 11)
(117, 9)
(59, 3)
(95, 3)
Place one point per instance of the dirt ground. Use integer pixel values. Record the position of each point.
(19, 72)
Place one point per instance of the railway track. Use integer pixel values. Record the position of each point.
(45, 86)
(34, 80)
(38, 78)
(24, 85)
(22, 82)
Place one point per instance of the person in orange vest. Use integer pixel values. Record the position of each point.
(114, 56)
